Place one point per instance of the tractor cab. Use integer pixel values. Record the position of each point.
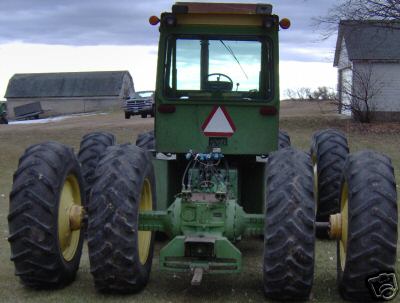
(217, 78)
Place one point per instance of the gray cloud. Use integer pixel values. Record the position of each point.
(124, 22)
(88, 22)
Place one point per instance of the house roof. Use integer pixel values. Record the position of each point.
(369, 40)
(79, 84)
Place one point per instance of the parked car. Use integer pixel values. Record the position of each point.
(141, 103)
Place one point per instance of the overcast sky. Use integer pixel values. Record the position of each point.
(85, 35)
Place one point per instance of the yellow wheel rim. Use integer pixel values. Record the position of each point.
(344, 210)
(144, 237)
(315, 169)
(68, 238)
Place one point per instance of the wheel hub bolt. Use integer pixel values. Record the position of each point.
(76, 214)
(335, 226)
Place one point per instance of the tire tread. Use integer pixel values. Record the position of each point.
(331, 149)
(289, 226)
(33, 234)
(113, 220)
(373, 221)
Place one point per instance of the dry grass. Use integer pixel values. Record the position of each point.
(299, 119)
(307, 108)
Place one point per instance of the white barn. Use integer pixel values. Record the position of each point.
(66, 93)
(368, 60)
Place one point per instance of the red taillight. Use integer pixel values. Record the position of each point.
(268, 111)
(166, 108)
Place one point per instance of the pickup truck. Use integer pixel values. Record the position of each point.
(141, 103)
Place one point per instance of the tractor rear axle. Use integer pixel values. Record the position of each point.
(202, 233)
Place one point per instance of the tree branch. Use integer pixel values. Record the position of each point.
(358, 10)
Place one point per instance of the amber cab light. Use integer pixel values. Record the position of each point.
(284, 23)
(154, 20)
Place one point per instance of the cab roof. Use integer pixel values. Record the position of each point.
(220, 14)
(222, 8)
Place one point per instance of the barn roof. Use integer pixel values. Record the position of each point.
(78, 84)
(369, 40)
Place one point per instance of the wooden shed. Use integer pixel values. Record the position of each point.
(368, 60)
(67, 93)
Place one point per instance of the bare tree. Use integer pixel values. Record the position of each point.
(300, 94)
(306, 94)
(360, 10)
(323, 93)
(361, 93)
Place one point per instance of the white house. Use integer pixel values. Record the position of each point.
(368, 60)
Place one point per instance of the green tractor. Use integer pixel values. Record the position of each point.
(3, 113)
(215, 170)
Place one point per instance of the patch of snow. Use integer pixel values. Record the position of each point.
(53, 119)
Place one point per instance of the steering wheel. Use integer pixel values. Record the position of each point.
(219, 74)
(219, 85)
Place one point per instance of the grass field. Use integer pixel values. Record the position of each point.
(299, 119)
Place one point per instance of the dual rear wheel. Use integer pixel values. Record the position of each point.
(329, 150)
(46, 211)
(289, 236)
(121, 255)
(92, 146)
(119, 184)
(356, 194)
(47, 208)
(47, 200)
(366, 227)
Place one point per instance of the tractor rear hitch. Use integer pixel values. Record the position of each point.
(197, 276)
(199, 247)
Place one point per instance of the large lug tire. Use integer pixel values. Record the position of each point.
(329, 150)
(47, 185)
(146, 140)
(143, 115)
(283, 139)
(368, 202)
(91, 148)
(127, 115)
(120, 255)
(289, 236)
